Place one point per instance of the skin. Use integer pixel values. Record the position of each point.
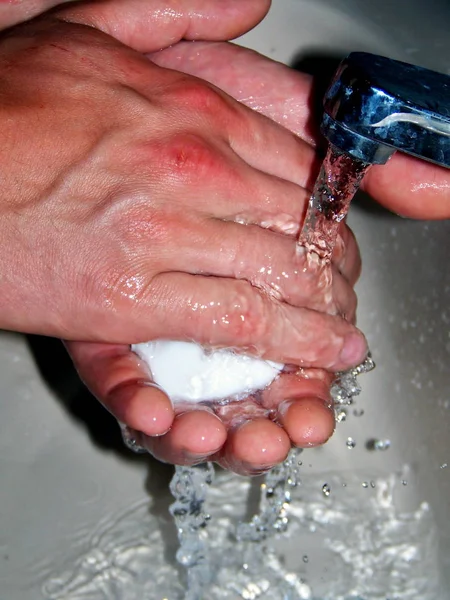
(126, 288)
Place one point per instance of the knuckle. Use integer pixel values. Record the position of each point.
(197, 96)
(188, 158)
(113, 286)
(323, 352)
(246, 315)
(143, 224)
(203, 104)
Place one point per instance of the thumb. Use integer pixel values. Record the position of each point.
(411, 187)
(122, 383)
(150, 25)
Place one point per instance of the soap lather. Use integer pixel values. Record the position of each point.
(373, 107)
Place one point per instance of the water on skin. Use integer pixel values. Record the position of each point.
(202, 376)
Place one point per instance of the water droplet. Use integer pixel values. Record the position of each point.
(379, 445)
(404, 482)
(326, 490)
(365, 484)
(358, 412)
(443, 466)
(350, 443)
(372, 484)
(305, 558)
(341, 416)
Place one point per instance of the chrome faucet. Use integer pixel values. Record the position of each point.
(376, 105)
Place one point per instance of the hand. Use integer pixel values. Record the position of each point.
(248, 437)
(406, 185)
(156, 211)
(109, 231)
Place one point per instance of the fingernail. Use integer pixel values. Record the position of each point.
(284, 406)
(193, 460)
(354, 350)
(255, 470)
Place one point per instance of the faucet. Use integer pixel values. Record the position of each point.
(376, 105)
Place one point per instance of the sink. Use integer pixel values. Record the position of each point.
(72, 496)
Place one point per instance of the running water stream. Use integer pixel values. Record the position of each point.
(339, 179)
(254, 569)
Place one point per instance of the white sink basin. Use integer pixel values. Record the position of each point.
(68, 490)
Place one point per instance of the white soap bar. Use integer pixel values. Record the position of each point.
(186, 372)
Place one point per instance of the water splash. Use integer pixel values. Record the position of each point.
(276, 495)
(346, 385)
(251, 569)
(189, 487)
(359, 544)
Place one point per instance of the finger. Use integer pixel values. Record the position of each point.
(410, 187)
(269, 260)
(229, 313)
(149, 26)
(260, 142)
(302, 383)
(122, 383)
(249, 78)
(254, 447)
(307, 421)
(211, 178)
(304, 406)
(194, 437)
(346, 255)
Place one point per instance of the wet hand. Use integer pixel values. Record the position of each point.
(142, 203)
(248, 437)
(406, 185)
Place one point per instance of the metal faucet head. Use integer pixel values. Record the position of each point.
(376, 105)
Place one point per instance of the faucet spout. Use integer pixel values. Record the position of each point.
(376, 105)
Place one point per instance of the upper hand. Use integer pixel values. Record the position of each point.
(142, 203)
